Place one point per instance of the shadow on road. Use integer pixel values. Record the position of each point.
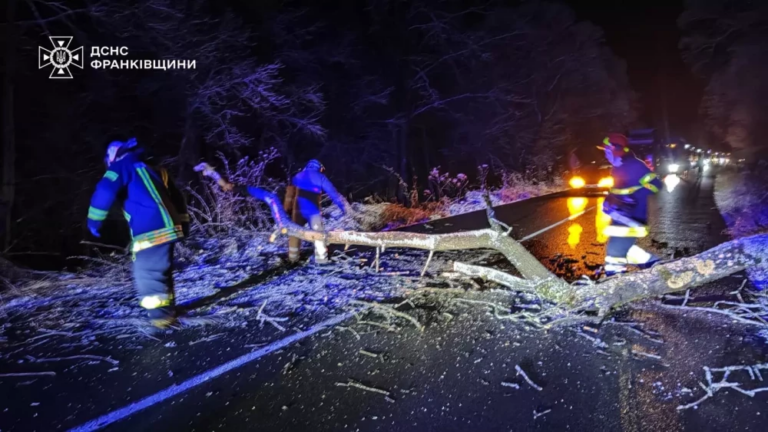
(251, 281)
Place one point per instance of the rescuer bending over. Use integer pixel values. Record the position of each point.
(302, 202)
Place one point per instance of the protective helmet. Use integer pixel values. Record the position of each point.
(315, 165)
(117, 149)
(617, 143)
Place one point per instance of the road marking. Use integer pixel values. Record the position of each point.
(543, 230)
(170, 392)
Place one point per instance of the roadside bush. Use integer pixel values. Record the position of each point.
(214, 211)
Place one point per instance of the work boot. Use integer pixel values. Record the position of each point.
(650, 263)
(614, 269)
(163, 318)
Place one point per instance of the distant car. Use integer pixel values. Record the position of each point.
(592, 177)
(669, 166)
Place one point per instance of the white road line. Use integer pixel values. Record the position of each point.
(543, 230)
(170, 392)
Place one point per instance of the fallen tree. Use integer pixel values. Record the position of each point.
(678, 275)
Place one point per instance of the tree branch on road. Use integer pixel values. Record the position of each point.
(678, 275)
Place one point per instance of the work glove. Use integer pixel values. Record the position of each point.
(94, 231)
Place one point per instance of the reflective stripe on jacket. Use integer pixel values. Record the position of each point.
(154, 208)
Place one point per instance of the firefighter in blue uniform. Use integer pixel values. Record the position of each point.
(627, 205)
(157, 214)
(303, 202)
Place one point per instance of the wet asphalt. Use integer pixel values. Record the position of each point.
(457, 375)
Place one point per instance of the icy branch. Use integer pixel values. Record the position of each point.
(713, 386)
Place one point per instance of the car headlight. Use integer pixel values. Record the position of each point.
(606, 182)
(673, 168)
(577, 182)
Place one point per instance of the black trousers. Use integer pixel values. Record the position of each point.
(153, 278)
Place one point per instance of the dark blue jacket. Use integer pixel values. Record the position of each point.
(154, 208)
(315, 182)
(633, 183)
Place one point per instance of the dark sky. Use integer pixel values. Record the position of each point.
(645, 34)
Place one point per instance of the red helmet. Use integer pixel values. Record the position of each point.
(617, 143)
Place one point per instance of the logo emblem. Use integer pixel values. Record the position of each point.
(60, 57)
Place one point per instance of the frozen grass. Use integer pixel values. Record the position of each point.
(742, 198)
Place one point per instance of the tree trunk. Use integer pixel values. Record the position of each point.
(679, 275)
(190, 151)
(9, 142)
(716, 263)
(426, 149)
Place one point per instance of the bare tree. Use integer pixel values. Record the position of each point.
(230, 98)
(724, 43)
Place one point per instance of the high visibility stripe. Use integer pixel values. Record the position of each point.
(625, 191)
(155, 195)
(127, 216)
(646, 182)
(155, 301)
(648, 178)
(157, 237)
(622, 231)
(97, 214)
(111, 175)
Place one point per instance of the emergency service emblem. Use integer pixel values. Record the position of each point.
(60, 58)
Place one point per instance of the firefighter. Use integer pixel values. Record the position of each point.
(157, 214)
(303, 203)
(627, 205)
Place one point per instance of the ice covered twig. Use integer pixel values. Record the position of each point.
(713, 387)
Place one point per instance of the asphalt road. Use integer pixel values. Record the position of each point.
(457, 375)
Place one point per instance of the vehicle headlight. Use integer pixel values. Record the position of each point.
(577, 182)
(673, 168)
(606, 182)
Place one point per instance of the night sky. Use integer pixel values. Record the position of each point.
(645, 34)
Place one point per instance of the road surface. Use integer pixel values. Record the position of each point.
(459, 374)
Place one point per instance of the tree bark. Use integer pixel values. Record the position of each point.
(9, 142)
(189, 152)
